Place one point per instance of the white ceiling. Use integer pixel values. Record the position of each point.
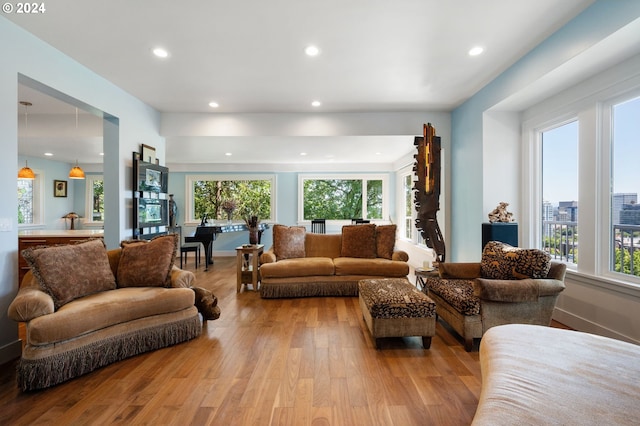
(248, 55)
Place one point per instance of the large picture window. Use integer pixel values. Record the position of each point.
(560, 191)
(210, 195)
(580, 164)
(343, 197)
(625, 185)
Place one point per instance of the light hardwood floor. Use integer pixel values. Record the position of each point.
(307, 361)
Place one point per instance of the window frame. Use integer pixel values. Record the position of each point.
(345, 176)
(189, 207)
(38, 202)
(591, 105)
(605, 229)
(88, 204)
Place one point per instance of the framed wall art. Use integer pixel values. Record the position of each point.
(148, 154)
(59, 188)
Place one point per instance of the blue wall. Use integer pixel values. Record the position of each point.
(594, 24)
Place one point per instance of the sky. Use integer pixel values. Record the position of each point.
(560, 154)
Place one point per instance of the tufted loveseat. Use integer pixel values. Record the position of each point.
(510, 285)
(301, 264)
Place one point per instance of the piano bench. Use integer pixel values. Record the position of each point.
(190, 247)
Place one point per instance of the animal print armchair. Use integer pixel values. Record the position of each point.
(510, 285)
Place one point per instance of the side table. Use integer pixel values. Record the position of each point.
(247, 262)
(422, 274)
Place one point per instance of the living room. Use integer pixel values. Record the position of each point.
(483, 164)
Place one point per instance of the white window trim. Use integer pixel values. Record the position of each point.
(38, 202)
(88, 201)
(189, 200)
(361, 176)
(588, 101)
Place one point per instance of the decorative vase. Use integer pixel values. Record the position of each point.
(254, 235)
(173, 212)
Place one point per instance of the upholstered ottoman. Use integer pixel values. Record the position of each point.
(392, 307)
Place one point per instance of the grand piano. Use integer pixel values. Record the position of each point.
(207, 234)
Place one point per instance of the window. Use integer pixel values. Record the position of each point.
(586, 135)
(560, 191)
(95, 199)
(408, 205)
(207, 195)
(343, 197)
(625, 185)
(25, 201)
(30, 201)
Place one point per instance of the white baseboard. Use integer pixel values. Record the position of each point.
(582, 324)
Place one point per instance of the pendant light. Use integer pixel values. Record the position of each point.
(76, 172)
(26, 172)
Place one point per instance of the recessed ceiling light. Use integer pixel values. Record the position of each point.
(303, 153)
(214, 104)
(228, 154)
(316, 104)
(102, 153)
(48, 154)
(475, 51)
(160, 52)
(312, 50)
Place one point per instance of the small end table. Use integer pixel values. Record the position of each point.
(422, 274)
(247, 264)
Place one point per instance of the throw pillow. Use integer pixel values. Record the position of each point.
(68, 272)
(503, 262)
(385, 240)
(148, 264)
(359, 241)
(288, 241)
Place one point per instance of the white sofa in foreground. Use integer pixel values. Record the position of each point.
(536, 375)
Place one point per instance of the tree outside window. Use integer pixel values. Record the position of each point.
(251, 197)
(25, 201)
(342, 199)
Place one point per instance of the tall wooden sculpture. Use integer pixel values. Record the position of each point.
(427, 189)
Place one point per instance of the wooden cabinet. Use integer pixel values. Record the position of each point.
(28, 239)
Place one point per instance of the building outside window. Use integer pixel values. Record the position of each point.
(625, 184)
(560, 191)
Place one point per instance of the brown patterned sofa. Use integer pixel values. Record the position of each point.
(301, 264)
(86, 307)
(510, 285)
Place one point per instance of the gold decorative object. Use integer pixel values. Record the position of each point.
(427, 189)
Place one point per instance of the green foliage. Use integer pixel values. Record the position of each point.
(332, 199)
(374, 199)
(341, 199)
(253, 198)
(623, 262)
(25, 201)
